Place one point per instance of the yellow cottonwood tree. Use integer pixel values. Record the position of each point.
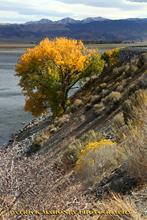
(49, 70)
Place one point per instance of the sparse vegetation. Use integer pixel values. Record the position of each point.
(83, 149)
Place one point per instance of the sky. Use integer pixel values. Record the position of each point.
(20, 11)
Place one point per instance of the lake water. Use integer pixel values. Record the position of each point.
(12, 115)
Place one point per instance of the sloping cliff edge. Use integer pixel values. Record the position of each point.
(33, 175)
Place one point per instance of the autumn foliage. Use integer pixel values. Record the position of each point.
(91, 147)
(111, 56)
(48, 71)
(97, 158)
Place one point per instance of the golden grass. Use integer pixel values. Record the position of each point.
(117, 204)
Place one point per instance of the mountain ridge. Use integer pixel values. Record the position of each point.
(89, 29)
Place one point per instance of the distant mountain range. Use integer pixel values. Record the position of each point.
(68, 20)
(89, 29)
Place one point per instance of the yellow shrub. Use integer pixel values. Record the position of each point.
(96, 159)
(111, 56)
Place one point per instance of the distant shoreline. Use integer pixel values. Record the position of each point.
(15, 45)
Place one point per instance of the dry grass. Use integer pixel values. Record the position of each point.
(134, 138)
(117, 204)
(135, 146)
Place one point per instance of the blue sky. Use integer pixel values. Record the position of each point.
(19, 11)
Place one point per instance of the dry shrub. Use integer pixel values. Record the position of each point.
(98, 108)
(116, 71)
(76, 105)
(127, 67)
(61, 120)
(118, 208)
(91, 136)
(113, 98)
(118, 120)
(72, 153)
(124, 81)
(95, 99)
(41, 138)
(134, 107)
(120, 88)
(96, 159)
(133, 69)
(103, 86)
(135, 145)
(105, 92)
(78, 102)
(134, 138)
(88, 107)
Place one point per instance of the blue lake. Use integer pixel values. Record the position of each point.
(12, 115)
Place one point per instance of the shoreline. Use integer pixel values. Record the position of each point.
(17, 45)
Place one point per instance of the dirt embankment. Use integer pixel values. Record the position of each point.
(32, 177)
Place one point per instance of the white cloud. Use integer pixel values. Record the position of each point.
(22, 11)
(143, 1)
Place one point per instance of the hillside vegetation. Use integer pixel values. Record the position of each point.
(91, 157)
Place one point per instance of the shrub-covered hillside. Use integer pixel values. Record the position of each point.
(91, 157)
